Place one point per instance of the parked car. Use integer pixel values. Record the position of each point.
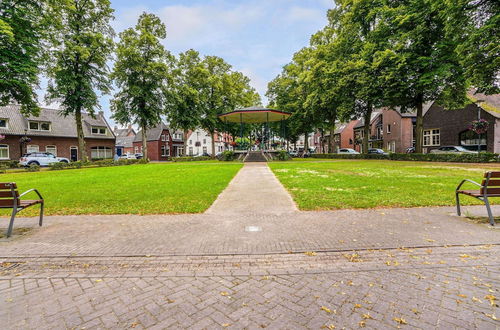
(138, 156)
(41, 159)
(452, 150)
(294, 154)
(348, 151)
(377, 151)
(410, 150)
(128, 156)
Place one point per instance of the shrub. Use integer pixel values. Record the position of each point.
(33, 168)
(190, 159)
(58, 166)
(283, 155)
(104, 162)
(483, 157)
(227, 156)
(9, 163)
(3, 169)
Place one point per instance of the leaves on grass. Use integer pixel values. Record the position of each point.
(400, 320)
(326, 309)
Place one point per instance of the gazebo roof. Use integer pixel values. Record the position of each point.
(254, 115)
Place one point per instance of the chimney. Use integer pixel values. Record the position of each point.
(101, 114)
(129, 126)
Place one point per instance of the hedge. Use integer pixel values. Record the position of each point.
(483, 157)
(190, 159)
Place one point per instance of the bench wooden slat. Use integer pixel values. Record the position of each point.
(491, 183)
(7, 203)
(7, 185)
(8, 193)
(491, 191)
(492, 175)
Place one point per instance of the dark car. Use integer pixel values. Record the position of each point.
(138, 156)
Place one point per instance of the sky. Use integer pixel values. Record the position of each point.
(257, 37)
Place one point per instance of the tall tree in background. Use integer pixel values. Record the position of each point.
(82, 44)
(421, 64)
(142, 75)
(475, 27)
(22, 32)
(185, 107)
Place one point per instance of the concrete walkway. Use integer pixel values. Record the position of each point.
(254, 190)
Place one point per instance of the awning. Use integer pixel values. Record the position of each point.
(254, 115)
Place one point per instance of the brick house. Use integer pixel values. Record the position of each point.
(398, 130)
(344, 135)
(124, 140)
(375, 140)
(451, 127)
(54, 133)
(163, 143)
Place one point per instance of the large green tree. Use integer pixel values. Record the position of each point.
(421, 63)
(185, 107)
(22, 32)
(82, 43)
(475, 26)
(142, 75)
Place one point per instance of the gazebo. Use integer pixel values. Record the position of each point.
(255, 115)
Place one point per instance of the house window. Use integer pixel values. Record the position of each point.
(204, 141)
(51, 149)
(101, 152)
(205, 150)
(190, 151)
(99, 130)
(165, 151)
(4, 151)
(32, 148)
(136, 150)
(3, 123)
(190, 141)
(39, 126)
(388, 128)
(432, 137)
(180, 151)
(163, 137)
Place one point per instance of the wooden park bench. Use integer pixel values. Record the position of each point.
(10, 199)
(489, 187)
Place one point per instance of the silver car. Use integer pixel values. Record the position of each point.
(452, 150)
(41, 159)
(348, 151)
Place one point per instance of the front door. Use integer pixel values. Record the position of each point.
(119, 151)
(74, 154)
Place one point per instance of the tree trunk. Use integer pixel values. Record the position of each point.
(331, 140)
(306, 143)
(185, 153)
(366, 128)
(213, 144)
(419, 131)
(144, 143)
(81, 138)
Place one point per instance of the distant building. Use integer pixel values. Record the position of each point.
(451, 127)
(162, 142)
(52, 132)
(124, 140)
(200, 142)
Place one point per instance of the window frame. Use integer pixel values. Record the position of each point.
(39, 126)
(5, 147)
(98, 129)
(51, 146)
(6, 123)
(431, 134)
(388, 129)
(99, 150)
(31, 146)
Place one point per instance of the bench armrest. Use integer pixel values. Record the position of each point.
(464, 181)
(27, 192)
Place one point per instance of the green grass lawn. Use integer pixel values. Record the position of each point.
(342, 184)
(134, 189)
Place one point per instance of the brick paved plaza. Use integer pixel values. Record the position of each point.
(254, 268)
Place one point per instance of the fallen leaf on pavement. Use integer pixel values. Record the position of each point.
(400, 320)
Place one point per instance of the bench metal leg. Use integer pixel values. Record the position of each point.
(488, 208)
(459, 213)
(11, 224)
(41, 215)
